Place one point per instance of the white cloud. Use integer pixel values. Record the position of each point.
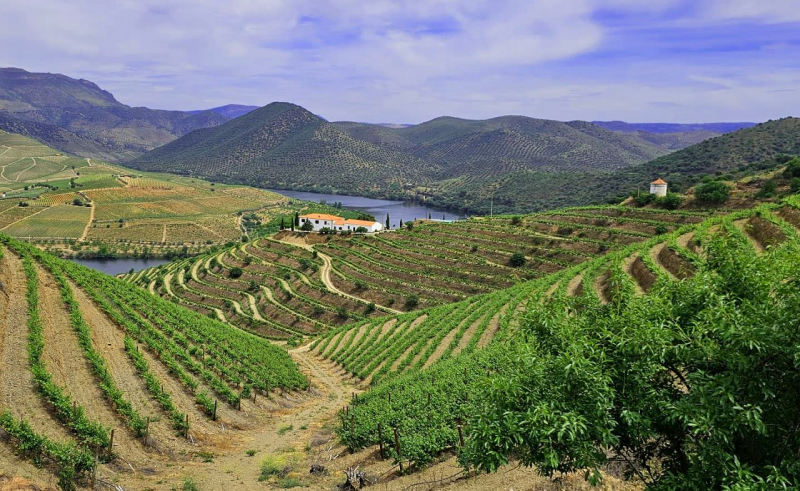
(402, 61)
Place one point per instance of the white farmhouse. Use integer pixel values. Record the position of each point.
(333, 222)
(658, 187)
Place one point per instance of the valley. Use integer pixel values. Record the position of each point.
(564, 329)
(83, 207)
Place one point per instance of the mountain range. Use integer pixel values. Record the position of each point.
(507, 163)
(80, 117)
(283, 145)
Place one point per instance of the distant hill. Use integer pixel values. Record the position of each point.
(285, 146)
(735, 154)
(105, 128)
(230, 111)
(673, 127)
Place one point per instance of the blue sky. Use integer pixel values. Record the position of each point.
(409, 61)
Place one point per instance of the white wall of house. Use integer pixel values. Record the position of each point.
(319, 224)
(658, 189)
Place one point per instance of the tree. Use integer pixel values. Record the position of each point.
(307, 227)
(694, 386)
(235, 272)
(517, 260)
(77, 201)
(409, 225)
(794, 186)
(712, 192)
(792, 168)
(361, 230)
(645, 199)
(296, 219)
(412, 301)
(515, 220)
(670, 202)
(387, 221)
(401, 223)
(768, 189)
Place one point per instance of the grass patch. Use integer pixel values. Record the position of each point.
(251, 452)
(189, 485)
(285, 429)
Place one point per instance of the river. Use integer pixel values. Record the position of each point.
(120, 265)
(397, 210)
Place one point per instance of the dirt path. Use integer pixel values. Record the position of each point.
(325, 276)
(600, 290)
(26, 170)
(164, 233)
(25, 218)
(109, 339)
(574, 284)
(654, 256)
(627, 265)
(253, 308)
(742, 226)
(168, 284)
(18, 392)
(69, 368)
(89, 223)
(303, 418)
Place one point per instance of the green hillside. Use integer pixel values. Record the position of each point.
(733, 154)
(444, 160)
(672, 360)
(283, 145)
(79, 117)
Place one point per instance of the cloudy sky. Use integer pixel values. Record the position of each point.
(409, 61)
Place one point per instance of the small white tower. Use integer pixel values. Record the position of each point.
(658, 187)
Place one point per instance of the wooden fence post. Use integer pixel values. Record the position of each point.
(111, 442)
(380, 439)
(397, 448)
(214, 417)
(460, 435)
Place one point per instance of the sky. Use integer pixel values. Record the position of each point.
(408, 61)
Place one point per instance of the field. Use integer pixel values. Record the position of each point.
(125, 209)
(421, 390)
(415, 390)
(288, 287)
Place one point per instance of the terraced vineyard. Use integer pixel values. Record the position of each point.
(284, 286)
(265, 286)
(82, 353)
(74, 204)
(429, 379)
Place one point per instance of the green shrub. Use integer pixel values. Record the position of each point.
(794, 186)
(517, 260)
(767, 190)
(712, 192)
(412, 301)
(235, 272)
(792, 168)
(670, 202)
(645, 199)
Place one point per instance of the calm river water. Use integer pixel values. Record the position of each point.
(397, 210)
(120, 265)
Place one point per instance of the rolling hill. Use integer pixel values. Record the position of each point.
(285, 146)
(736, 154)
(96, 124)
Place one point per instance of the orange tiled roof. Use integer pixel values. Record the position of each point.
(360, 223)
(321, 216)
(659, 182)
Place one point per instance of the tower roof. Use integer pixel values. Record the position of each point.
(659, 182)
